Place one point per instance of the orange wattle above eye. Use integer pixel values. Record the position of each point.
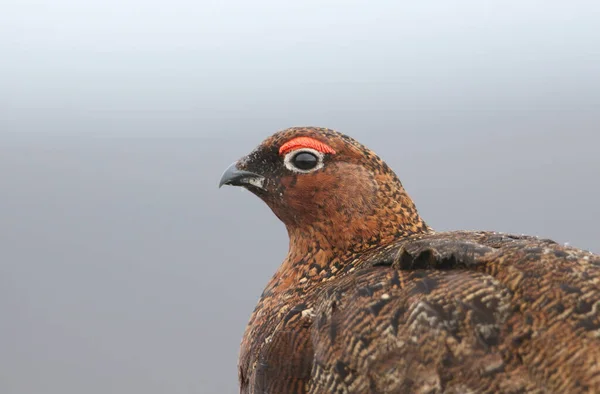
(305, 142)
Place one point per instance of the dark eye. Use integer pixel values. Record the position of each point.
(305, 161)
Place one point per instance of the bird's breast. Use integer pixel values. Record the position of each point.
(276, 351)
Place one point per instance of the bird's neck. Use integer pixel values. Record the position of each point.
(321, 250)
(361, 223)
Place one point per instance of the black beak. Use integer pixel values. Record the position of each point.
(234, 177)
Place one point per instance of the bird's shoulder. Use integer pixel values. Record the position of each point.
(461, 311)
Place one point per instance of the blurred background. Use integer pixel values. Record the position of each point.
(123, 269)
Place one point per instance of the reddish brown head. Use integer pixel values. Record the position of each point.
(321, 182)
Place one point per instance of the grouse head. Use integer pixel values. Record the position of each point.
(318, 180)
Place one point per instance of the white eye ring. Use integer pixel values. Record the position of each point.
(287, 160)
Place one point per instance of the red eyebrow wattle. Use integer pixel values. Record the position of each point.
(305, 142)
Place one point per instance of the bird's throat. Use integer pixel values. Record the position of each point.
(318, 253)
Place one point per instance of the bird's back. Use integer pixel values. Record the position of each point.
(461, 312)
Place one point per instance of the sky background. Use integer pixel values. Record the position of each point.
(123, 269)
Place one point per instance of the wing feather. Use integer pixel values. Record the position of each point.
(461, 312)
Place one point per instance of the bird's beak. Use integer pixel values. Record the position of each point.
(234, 177)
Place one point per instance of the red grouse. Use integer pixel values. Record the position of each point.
(370, 299)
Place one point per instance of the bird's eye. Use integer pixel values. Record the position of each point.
(305, 161)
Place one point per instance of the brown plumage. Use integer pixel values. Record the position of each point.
(371, 300)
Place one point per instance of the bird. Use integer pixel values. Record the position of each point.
(371, 299)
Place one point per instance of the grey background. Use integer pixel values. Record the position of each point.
(123, 269)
